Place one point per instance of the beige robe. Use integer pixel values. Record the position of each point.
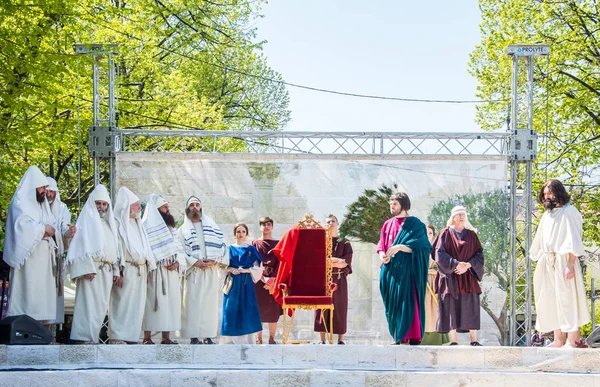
(200, 310)
(431, 306)
(32, 288)
(92, 297)
(560, 303)
(127, 303)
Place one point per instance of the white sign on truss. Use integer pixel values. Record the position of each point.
(528, 49)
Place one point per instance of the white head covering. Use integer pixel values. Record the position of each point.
(191, 200)
(26, 219)
(88, 241)
(161, 238)
(137, 248)
(460, 210)
(160, 201)
(52, 186)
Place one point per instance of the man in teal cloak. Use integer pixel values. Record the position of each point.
(404, 252)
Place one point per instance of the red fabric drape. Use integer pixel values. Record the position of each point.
(284, 251)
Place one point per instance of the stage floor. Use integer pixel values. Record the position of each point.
(296, 365)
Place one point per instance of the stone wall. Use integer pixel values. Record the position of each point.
(244, 187)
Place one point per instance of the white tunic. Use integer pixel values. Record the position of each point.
(200, 311)
(32, 288)
(163, 301)
(92, 297)
(560, 303)
(127, 303)
(63, 220)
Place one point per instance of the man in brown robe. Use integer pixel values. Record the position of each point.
(269, 309)
(341, 256)
(459, 256)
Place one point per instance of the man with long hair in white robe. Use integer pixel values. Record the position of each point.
(129, 293)
(30, 250)
(93, 264)
(560, 298)
(64, 232)
(204, 247)
(163, 300)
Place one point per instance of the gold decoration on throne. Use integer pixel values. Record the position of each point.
(310, 223)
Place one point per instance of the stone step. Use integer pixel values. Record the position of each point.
(299, 357)
(291, 378)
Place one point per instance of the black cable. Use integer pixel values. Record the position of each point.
(272, 80)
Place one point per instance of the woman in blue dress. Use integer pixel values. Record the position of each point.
(241, 318)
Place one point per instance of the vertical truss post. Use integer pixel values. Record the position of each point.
(523, 152)
(103, 134)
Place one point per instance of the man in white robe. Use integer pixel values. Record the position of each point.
(64, 232)
(163, 300)
(129, 293)
(93, 264)
(30, 250)
(204, 247)
(560, 298)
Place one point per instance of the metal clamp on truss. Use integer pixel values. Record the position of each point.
(523, 145)
(102, 141)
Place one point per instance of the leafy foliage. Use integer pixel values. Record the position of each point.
(183, 64)
(367, 214)
(567, 100)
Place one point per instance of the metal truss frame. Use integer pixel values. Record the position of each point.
(519, 146)
(523, 153)
(316, 143)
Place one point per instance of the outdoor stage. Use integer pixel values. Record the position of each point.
(295, 365)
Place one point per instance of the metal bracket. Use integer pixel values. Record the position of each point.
(102, 141)
(523, 145)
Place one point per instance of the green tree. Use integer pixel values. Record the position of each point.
(567, 100)
(488, 213)
(366, 215)
(182, 64)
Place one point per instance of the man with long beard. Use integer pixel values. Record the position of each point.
(560, 299)
(93, 264)
(204, 247)
(30, 250)
(163, 299)
(128, 294)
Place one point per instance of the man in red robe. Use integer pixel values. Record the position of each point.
(269, 309)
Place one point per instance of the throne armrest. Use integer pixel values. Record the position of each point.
(284, 288)
(332, 287)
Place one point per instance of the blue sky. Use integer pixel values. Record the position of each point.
(409, 49)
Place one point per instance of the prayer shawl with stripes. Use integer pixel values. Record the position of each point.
(213, 239)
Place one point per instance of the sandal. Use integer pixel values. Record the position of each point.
(341, 343)
(259, 341)
(272, 341)
(168, 341)
(475, 344)
(453, 343)
(147, 341)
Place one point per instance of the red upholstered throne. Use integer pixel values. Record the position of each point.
(304, 279)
